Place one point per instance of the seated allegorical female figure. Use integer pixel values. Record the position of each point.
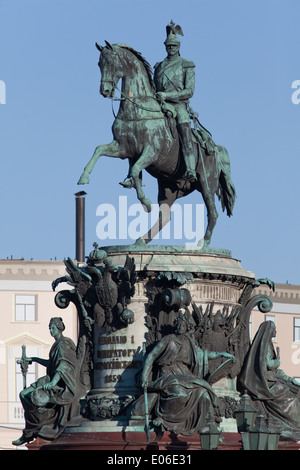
(179, 397)
(273, 393)
(52, 402)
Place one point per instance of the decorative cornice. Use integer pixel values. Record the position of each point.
(31, 270)
(284, 293)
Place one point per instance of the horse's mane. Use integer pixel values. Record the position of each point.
(142, 59)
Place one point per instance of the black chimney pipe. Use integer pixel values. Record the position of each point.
(80, 226)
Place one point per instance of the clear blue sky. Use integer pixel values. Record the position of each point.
(247, 57)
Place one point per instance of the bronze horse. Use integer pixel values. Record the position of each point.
(148, 138)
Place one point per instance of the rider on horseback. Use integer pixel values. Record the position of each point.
(174, 80)
(142, 134)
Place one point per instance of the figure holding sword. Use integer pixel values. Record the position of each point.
(178, 396)
(52, 402)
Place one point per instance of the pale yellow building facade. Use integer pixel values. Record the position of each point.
(26, 306)
(286, 315)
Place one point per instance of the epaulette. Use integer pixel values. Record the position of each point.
(188, 63)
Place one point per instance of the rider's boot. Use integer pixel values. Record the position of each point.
(188, 151)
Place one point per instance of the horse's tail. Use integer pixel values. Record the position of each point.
(226, 190)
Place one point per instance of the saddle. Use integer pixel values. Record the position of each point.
(202, 140)
(200, 135)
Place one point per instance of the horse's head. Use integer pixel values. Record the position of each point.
(111, 69)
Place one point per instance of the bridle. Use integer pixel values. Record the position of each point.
(127, 98)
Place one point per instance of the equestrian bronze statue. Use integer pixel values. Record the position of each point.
(157, 131)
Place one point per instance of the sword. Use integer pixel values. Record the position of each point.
(147, 427)
(24, 363)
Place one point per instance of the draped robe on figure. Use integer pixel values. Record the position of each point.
(272, 390)
(49, 421)
(184, 398)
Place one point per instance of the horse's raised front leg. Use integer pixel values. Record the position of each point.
(145, 160)
(108, 150)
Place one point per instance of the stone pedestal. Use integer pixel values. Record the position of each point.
(118, 357)
(211, 278)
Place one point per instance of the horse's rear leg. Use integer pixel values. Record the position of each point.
(212, 216)
(166, 198)
(108, 150)
(163, 218)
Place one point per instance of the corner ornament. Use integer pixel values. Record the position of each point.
(101, 291)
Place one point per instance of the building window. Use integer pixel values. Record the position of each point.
(250, 326)
(296, 334)
(31, 377)
(25, 308)
(270, 318)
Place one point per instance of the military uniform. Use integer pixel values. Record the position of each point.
(174, 80)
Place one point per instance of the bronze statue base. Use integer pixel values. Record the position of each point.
(136, 441)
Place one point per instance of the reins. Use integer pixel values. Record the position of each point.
(127, 98)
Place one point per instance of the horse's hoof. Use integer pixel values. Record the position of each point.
(203, 243)
(84, 179)
(140, 242)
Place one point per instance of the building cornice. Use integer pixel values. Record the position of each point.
(31, 270)
(283, 294)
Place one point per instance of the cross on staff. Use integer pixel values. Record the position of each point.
(24, 363)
